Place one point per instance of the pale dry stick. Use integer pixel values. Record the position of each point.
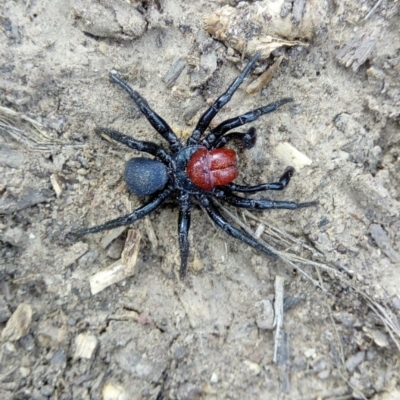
(377, 4)
(278, 322)
(121, 269)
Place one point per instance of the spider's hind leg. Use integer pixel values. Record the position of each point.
(183, 231)
(155, 120)
(283, 182)
(139, 213)
(231, 230)
(139, 145)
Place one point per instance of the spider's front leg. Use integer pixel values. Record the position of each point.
(232, 123)
(246, 140)
(207, 117)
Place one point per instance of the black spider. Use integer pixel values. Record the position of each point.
(202, 168)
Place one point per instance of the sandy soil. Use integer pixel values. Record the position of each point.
(212, 335)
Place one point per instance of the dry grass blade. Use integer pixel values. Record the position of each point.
(275, 235)
(26, 130)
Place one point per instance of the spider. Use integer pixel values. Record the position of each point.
(203, 169)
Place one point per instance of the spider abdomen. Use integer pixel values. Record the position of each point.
(210, 168)
(145, 176)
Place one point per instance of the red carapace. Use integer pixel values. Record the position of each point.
(210, 168)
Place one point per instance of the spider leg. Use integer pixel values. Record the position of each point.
(220, 221)
(246, 140)
(261, 204)
(146, 147)
(250, 116)
(139, 213)
(155, 120)
(183, 230)
(206, 118)
(283, 182)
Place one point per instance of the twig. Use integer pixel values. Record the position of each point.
(377, 4)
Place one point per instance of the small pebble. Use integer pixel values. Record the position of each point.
(180, 352)
(27, 342)
(253, 367)
(4, 311)
(115, 249)
(214, 378)
(355, 360)
(310, 353)
(112, 392)
(265, 315)
(25, 372)
(380, 338)
(59, 358)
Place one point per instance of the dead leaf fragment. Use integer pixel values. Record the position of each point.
(264, 78)
(19, 323)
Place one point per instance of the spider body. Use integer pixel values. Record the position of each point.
(144, 176)
(202, 169)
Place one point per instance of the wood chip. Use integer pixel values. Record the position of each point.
(357, 51)
(151, 234)
(57, 186)
(289, 155)
(111, 235)
(264, 78)
(121, 269)
(173, 73)
(86, 345)
(278, 321)
(19, 323)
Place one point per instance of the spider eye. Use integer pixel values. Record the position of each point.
(145, 176)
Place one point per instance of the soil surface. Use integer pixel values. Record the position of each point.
(212, 335)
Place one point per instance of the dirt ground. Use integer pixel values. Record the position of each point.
(211, 336)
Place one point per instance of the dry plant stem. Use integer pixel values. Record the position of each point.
(373, 9)
(278, 322)
(389, 321)
(121, 269)
(284, 256)
(31, 132)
